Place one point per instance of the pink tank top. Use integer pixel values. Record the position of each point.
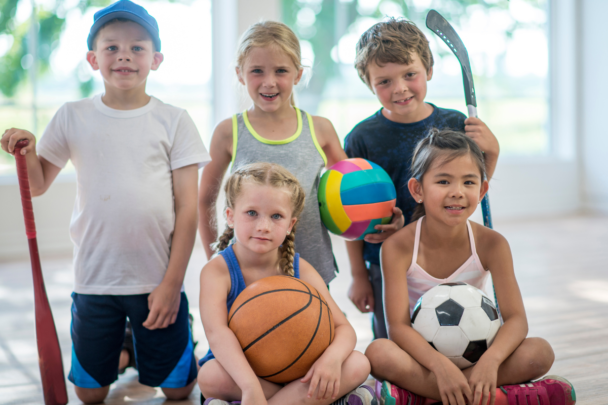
(419, 281)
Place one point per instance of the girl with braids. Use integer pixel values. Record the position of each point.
(263, 202)
(440, 246)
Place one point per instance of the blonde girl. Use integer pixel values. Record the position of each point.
(263, 201)
(441, 245)
(273, 129)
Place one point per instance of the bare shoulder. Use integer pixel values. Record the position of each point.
(399, 247)
(490, 244)
(223, 129)
(310, 275)
(215, 269)
(323, 127)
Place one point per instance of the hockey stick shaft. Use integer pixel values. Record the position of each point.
(49, 352)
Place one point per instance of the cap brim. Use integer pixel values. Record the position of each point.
(127, 15)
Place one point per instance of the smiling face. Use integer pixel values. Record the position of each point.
(262, 217)
(450, 189)
(269, 75)
(124, 54)
(401, 89)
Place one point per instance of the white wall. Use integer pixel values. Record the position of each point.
(571, 179)
(593, 82)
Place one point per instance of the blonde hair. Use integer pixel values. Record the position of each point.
(270, 33)
(274, 175)
(395, 40)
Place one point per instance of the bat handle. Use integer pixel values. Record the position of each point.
(24, 188)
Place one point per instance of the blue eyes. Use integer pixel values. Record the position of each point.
(113, 48)
(252, 213)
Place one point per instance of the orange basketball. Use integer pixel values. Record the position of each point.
(283, 325)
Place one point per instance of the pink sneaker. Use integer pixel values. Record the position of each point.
(550, 390)
(390, 394)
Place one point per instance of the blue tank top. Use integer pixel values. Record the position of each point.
(237, 284)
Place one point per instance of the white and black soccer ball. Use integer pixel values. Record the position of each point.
(458, 320)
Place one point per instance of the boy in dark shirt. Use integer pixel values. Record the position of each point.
(395, 61)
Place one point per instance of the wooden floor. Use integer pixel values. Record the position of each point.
(561, 265)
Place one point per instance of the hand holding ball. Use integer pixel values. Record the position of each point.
(354, 196)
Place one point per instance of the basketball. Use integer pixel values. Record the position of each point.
(354, 196)
(283, 325)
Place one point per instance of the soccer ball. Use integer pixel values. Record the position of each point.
(458, 320)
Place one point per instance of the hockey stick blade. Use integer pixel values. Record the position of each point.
(49, 352)
(442, 28)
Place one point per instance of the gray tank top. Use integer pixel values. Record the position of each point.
(302, 156)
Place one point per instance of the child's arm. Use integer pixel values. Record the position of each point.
(328, 140)
(495, 254)
(396, 257)
(211, 181)
(41, 172)
(324, 375)
(478, 131)
(360, 291)
(215, 286)
(164, 301)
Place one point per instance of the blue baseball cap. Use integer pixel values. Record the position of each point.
(128, 10)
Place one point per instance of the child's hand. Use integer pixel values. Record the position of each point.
(387, 230)
(324, 377)
(14, 135)
(362, 294)
(478, 131)
(483, 382)
(163, 304)
(453, 385)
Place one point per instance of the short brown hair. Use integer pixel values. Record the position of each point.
(392, 41)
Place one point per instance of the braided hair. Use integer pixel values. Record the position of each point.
(442, 143)
(276, 176)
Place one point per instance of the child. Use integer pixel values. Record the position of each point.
(263, 203)
(274, 130)
(395, 62)
(442, 246)
(135, 215)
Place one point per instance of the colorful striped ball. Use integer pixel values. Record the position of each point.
(354, 196)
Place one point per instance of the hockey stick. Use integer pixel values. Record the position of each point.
(439, 25)
(49, 353)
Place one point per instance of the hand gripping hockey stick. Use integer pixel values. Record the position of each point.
(49, 353)
(440, 27)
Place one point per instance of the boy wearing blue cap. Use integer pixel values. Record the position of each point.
(135, 215)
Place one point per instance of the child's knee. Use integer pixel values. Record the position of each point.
(92, 395)
(539, 356)
(213, 380)
(357, 367)
(177, 394)
(378, 353)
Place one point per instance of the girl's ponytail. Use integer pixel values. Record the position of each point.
(224, 240)
(288, 252)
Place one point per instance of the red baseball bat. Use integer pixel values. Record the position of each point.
(49, 353)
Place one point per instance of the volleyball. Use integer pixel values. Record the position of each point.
(354, 196)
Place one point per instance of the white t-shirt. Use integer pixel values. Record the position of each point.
(124, 214)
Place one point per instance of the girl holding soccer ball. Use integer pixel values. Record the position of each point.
(440, 246)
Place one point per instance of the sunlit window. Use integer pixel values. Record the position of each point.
(29, 101)
(506, 41)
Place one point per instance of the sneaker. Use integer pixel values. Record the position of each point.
(362, 395)
(550, 390)
(390, 394)
(213, 401)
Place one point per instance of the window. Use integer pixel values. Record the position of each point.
(63, 73)
(506, 41)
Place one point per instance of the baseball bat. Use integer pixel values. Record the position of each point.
(49, 353)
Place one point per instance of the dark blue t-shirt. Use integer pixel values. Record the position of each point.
(391, 145)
